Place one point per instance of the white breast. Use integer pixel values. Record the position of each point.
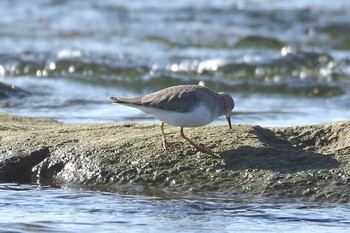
(198, 117)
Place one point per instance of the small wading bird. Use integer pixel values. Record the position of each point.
(183, 106)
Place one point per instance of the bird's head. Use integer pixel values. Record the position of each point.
(227, 105)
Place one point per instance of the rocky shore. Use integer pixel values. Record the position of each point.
(308, 162)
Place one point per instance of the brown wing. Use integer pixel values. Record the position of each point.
(177, 98)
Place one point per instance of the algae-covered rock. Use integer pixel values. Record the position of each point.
(305, 162)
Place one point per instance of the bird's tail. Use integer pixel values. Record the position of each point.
(131, 101)
(115, 99)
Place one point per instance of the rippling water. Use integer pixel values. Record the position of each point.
(284, 63)
(26, 208)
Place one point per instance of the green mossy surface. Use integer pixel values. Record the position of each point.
(308, 162)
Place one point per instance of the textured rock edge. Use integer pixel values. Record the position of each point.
(309, 162)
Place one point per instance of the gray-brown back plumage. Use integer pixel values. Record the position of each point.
(180, 98)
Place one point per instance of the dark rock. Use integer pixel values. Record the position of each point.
(16, 166)
(7, 91)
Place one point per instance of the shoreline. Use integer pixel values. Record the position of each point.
(309, 162)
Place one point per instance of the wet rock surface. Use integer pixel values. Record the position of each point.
(8, 91)
(308, 162)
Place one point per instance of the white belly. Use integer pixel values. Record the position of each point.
(198, 117)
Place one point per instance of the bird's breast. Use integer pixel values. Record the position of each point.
(199, 116)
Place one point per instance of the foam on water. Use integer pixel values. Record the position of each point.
(284, 63)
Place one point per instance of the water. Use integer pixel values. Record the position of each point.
(46, 209)
(284, 62)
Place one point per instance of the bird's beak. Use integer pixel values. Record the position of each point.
(228, 118)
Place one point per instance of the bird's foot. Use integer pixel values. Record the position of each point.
(202, 147)
(166, 144)
(206, 149)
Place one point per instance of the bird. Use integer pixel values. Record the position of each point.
(183, 106)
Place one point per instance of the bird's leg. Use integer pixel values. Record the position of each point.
(163, 135)
(166, 144)
(198, 147)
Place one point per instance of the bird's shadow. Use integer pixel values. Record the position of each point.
(277, 154)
